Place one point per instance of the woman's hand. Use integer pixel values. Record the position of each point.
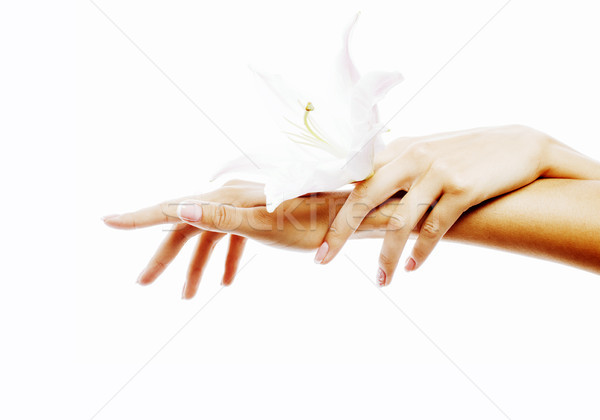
(450, 172)
(239, 193)
(237, 207)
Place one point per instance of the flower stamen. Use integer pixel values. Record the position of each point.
(309, 133)
(309, 124)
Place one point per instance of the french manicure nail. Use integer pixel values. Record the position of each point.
(183, 291)
(189, 211)
(380, 277)
(321, 253)
(410, 264)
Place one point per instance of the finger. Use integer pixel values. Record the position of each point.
(234, 255)
(392, 151)
(445, 213)
(408, 213)
(204, 247)
(167, 251)
(366, 195)
(162, 213)
(253, 222)
(244, 183)
(378, 218)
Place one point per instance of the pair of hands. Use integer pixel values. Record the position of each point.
(443, 175)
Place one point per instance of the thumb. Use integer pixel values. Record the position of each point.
(223, 218)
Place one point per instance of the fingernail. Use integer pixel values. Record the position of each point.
(225, 283)
(108, 216)
(321, 253)
(183, 296)
(410, 264)
(189, 211)
(380, 277)
(140, 277)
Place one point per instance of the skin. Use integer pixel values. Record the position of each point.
(450, 172)
(181, 233)
(554, 219)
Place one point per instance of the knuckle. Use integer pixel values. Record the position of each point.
(397, 222)
(130, 220)
(446, 174)
(430, 228)
(388, 261)
(440, 168)
(458, 184)
(158, 265)
(419, 151)
(222, 218)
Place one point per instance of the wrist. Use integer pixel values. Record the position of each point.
(549, 165)
(561, 161)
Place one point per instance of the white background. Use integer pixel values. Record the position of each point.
(90, 126)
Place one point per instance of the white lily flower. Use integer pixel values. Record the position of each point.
(335, 139)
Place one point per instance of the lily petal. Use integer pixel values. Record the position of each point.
(346, 71)
(333, 138)
(283, 102)
(298, 178)
(370, 89)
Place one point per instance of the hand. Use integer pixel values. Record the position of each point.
(240, 193)
(448, 172)
(238, 207)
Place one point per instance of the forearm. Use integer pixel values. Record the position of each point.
(556, 219)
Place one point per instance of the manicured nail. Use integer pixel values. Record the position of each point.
(189, 211)
(183, 292)
(410, 264)
(140, 277)
(380, 277)
(108, 216)
(225, 283)
(321, 253)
